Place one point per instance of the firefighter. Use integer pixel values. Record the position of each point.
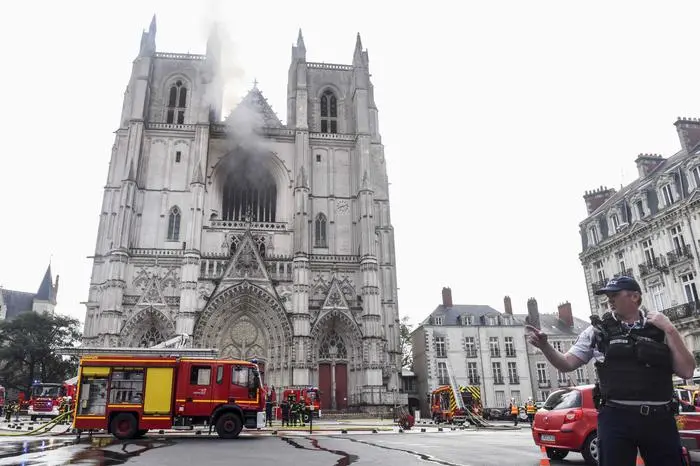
(8, 412)
(285, 413)
(530, 409)
(514, 410)
(268, 412)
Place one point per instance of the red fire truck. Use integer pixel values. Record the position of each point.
(310, 396)
(45, 398)
(128, 395)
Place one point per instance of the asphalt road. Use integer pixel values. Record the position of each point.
(449, 448)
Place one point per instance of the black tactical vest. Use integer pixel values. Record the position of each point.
(637, 365)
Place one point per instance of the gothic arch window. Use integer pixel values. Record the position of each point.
(151, 337)
(249, 191)
(329, 112)
(177, 103)
(332, 347)
(320, 232)
(174, 224)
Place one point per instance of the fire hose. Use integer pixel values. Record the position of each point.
(42, 429)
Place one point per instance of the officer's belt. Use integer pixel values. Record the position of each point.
(644, 410)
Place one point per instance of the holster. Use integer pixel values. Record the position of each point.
(597, 397)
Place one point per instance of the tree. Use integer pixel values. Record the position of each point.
(406, 345)
(27, 345)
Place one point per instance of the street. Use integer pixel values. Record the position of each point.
(463, 448)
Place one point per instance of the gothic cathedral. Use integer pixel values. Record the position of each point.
(260, 239)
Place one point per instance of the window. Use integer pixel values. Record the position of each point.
(622, 266)
(320, 231)
(200, 375)
(440, 348)
(493, 320)
(600, 271)
(178, 156)
(667, 192)
(318, 158)
(614, 222)
(500, 399)
(544, 394)
(510, 347)
(249, 194)
(438, 320)
(442, 374)
(513, 372)
(657, 297)
(563, 399)
(562, 378)
(219, 374)
(678, 240)
(580, 375)
(470, 347)
(542, 372)
(174, 224)
(689, 288)
(126, 386)
(648, 251)
(639, 205)
(329, 112)
(494, 348)
(593, 235)
(516, 395)
(177, 102)
(557, 345)
(497, 374)
(695, 173)
(241, 375)
(473, 373)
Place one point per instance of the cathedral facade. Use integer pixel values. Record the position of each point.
(260, 239)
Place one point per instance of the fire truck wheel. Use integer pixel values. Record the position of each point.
(229, 425)
(124, 426)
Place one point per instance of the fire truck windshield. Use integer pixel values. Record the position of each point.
(48, 391)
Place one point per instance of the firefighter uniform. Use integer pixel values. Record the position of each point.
(514, 410)
(530, 409)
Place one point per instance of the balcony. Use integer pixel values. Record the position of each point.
(679, 255)
(599, 284)
(653, 265)
(474, 380)
(683, 311)
(544, 383)
(626, 273)
(514, 379)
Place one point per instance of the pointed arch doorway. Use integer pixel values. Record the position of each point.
(333, 371)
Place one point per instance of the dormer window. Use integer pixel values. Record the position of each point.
(593, 235)
(614, 223)
(667, 192)
(493, 320)
(639, 209)
(438, 320)
(695, 176)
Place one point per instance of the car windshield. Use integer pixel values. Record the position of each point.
(45, 391)
(563, 399)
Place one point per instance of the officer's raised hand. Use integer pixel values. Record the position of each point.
(536, 337)
(659, 320)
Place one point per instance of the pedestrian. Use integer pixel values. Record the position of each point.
(636, 353)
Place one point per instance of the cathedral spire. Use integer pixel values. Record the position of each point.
(299, 50)
(148, 39)
(152, 27)
(300, 42)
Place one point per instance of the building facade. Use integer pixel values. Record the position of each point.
(478, 345)
(261, 239)
(562, 330)
(650, 230)
(14, 303)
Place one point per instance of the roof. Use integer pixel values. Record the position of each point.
(452, 313)
(257, 103)
(17, 302)
(552, 325)
(639, 182)
(46, 288)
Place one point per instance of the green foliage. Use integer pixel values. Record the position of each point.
(406, 345)
(27, 346)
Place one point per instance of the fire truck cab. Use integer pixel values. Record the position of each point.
(129, 395)
(45, 398)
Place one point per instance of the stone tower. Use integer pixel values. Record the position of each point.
(257, 238)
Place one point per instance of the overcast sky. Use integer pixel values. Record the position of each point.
(495, 116)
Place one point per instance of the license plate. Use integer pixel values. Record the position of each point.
(547, 438)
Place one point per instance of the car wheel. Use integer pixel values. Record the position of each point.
(590, 449)
(556, 453)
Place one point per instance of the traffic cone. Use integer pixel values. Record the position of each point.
(640, 461)
(545, 459)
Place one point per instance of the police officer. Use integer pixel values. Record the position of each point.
(636, 354)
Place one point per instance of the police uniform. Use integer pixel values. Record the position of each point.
(634, 393)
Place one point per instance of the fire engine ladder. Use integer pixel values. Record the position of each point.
(478, 421)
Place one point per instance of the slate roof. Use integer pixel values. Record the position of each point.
(256, 102)
(46, 288)
(552, 325)
(17, 302)
(452, 313)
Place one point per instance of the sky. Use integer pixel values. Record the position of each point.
(495, 117)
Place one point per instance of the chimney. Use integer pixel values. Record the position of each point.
(533, 314)
(597, 198)
(647, 163)
(507, 306)
(688, 132)
(565, 314)
(447, 297)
